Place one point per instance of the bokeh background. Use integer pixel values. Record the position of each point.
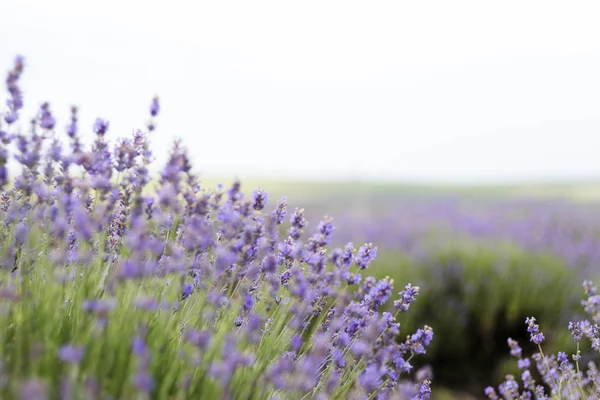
(459, 137)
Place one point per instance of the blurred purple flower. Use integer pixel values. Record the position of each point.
(187, 290)
(365, 255)
(144, 381)
(33, 389)
(154, 107)
(100, 127)
(259, 199)
(407, 297)
(47, 121)
(71, 354)
(99, 306)
(279, 213)
(21, 232)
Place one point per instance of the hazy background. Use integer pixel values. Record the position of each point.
(423, 91)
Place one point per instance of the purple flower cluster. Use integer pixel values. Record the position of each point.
(252, 313)
(71, 354)
(537, 337)
(15, 102)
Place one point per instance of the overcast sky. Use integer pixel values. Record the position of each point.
(427, 90)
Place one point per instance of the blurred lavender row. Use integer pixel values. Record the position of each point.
(559, 228)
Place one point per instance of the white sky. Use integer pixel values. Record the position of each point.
(422, 90)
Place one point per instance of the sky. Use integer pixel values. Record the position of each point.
(428, 91)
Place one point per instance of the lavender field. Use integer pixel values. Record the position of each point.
(120, 281)
(485, 258)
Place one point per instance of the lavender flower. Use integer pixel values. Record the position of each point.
(142, 378)
(21, 231)
(101, 307)
(15, 103)
(523, 363)
(100, 127)
(515, 350)
(576, 331)
(534, 329)
(71, 354)
(198, 339)
(33, 389)
(72, 127)
(154, 107)
(47, 121)
(365, 255)
(407, 297)
(418, 341)
(298, 222)
(259, 199)
(279, 213)
(188, 289)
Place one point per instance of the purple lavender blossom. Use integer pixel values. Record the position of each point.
(491, 393)
(154, 107)
(100, 127)
(418, 341)
(71, 354)
(142, 378)
(370, 378)
(534, 329)
(144, 381)
(47, 121)
(523, 363)
(33, 389)
(576, 330)
(424, 390)
(298, 223)
(15, 103)
(324, 232)
(187, 290)
(259, 199)
(198, 339)
(21, 232)
(72, 127)
(365, 255)
(99, 306)
(280, 212)
(248, 302)
(296, 343)
(380, 292)
(407, 297)
(515, 350)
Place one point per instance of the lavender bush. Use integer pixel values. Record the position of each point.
(115, 286)
(559, 376)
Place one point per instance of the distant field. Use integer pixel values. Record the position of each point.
(303, 190)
